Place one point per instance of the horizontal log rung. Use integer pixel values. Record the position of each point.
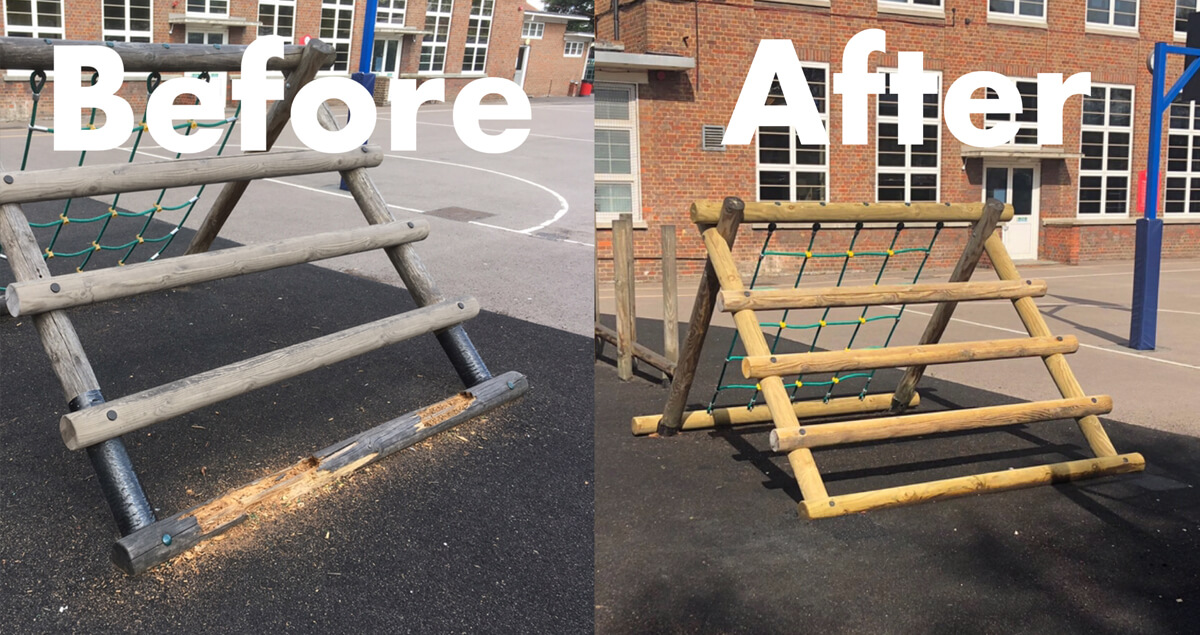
(822, 297)
(759, 366)
(961, 486)
(116, 178)
(38, 54)
(826, 434)
(640, 351)
(741, 415)
(89, 426)
(706, 212)
(78, 289)
(147, 547)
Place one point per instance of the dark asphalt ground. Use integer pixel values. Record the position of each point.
(485, 528)
(699, 533)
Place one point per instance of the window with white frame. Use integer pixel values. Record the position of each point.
(907, 173)
(1027, 118)
(478, 31)
(573, 49)
(1115, 13)
(927, 5)
(531, 29)
(1183, 8)
(337, 26)
(385, 57)
(34, 18)
(1182, 192)
(126, 21)
(437, 27)
(277, 17)
(211, 7)
(1031, 10)
(1106, 141)
(391, 12)
(616, 152)
(207, 37)
(787, 169)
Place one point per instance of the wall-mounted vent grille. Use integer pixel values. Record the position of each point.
(711, 138)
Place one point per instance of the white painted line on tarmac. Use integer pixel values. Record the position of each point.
(1081, 344)
(562, 201)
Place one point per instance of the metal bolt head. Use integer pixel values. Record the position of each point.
(512, 385)
(831, 503)
(112, 415)
(461, 305)
(8, 179)
(364, 149)
(54, 288)
(411, 224)
(166, 539)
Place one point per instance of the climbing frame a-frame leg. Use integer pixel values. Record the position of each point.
(728, 293)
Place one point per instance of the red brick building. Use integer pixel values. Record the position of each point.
(668, 75)
(459, 40)
(554, 57)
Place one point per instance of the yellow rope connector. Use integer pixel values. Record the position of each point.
(49, 254)
(891, 252)
(140, 239)
(121, 263)
(822, 322)
(799, 384)
(783, 325)
(192, 124)
(849, 253)
(861, 320)
(145, 126)
(95, 246)
(78, 269)
(835, 380)
(112, 212)
(64, 219)
(157, 208)
(808, 254)
(91, 126)
(758, 387)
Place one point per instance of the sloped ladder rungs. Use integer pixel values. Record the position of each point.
(758, 366)
(878, 295)
(112, 419)
(87, 287)
(118, 178)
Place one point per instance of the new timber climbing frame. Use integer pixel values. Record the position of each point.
(95, 424)
(724, 289)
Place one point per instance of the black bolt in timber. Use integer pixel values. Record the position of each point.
(130, 507)
(466, 360)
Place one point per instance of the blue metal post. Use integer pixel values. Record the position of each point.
(1143, 326)
(364, 75)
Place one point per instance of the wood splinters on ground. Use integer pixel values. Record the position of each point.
(443, 410)
(285, 485)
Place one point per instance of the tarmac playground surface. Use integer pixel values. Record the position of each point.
(487, 527)
(700, 532)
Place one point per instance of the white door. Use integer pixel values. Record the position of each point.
(522, 62)
(1018, 185)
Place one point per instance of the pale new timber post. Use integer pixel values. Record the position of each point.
(983, 228)
(622, 237)
(1057, 365)
(670, 290)
(773, 390)
(316, 54)
(702, 311)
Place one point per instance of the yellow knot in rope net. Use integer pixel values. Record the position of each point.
(849, 253)
(121, 263)
(157, 208)
(112, 212)
(192, 124)
(145, 127)
(891, 252)
(861, 320)
(95, 246)
(835, 380)
(758, 387)
(799, 384)
(808, 254)
(140, 239)
(64, 219)
(91, 126)
(822, 323)
(49, 254)
(783, 325)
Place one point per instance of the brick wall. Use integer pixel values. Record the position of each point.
(550, 72)
(723, 37)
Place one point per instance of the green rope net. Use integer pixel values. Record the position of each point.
(101, 223)
(824, 325)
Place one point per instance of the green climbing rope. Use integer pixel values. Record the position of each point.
(101, 222)
(819, 327)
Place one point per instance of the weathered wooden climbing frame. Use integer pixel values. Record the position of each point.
(723, 288)
(95, 424)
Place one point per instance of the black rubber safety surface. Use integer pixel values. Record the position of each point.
(485, 528)
(699, 532)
